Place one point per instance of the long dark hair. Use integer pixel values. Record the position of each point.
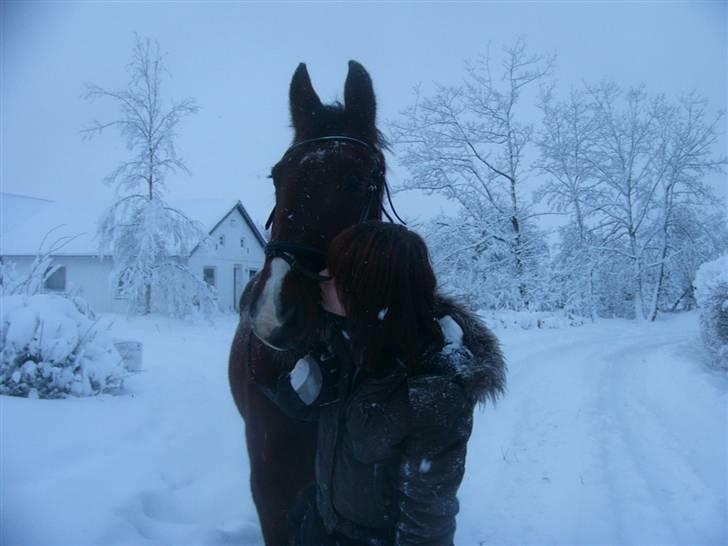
(385, 281)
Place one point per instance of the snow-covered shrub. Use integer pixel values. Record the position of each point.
(711, 284)
(28, 283)
(50, 347)
(31, 281)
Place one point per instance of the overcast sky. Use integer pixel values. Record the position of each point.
(237, 60)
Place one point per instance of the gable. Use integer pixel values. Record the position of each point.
(236, 224)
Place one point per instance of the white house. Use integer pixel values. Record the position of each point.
(233, 255)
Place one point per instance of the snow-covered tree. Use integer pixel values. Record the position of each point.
(629, 171)
(623, 160)
(684, 155)
(468, 143)
(567, 140)
(711, 283)
(696, 236)
(149, 240)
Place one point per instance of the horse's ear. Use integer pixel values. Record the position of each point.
(304, 100)
(361, 106)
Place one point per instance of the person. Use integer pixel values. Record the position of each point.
(393, 387)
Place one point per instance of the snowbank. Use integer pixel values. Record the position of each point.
(711, 284)
(527, 320)
(51, 347)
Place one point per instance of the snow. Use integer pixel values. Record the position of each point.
(452, 333)
(711, 283)
(710, 277)
(165, 464)
(317, 156)
(611, 433)
(47, 342)
(498, 320)
(15, 209)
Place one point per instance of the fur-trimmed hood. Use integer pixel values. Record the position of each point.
(472, 353)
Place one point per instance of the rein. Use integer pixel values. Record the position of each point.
(290, 251)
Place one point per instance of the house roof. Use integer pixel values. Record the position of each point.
(16, 208)
(75, 224)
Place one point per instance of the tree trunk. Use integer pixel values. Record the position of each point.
(687, 291)
(660, 280)
(148, 287)
(147, 299)
(592, 302)
(639, 312)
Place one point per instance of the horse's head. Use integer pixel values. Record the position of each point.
(330, 178)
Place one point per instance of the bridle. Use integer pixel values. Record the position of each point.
(291, 252)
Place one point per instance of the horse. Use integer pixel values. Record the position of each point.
(332, 176)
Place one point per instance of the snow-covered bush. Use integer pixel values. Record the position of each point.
(32, 280)
(711, 284)
(51, 347)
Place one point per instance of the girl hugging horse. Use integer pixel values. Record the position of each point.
(392, 388)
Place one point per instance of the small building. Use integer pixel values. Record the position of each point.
(232, 255)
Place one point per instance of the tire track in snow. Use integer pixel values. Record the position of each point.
(666, 499)
(573, 455)
(540, 447)
(626, 474)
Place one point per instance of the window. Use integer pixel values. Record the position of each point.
(252, 273)
(56, 282)
(221, 240)
(208, 275)
(119, 292)
(242, 242)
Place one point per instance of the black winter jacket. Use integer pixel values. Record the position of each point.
(391, 448)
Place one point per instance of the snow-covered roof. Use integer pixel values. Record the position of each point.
(16, 208)
(76, 222)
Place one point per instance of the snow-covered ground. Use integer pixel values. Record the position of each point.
(612, 433)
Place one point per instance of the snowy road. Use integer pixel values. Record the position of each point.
(609, 434)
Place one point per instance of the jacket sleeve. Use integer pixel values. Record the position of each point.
(433, 462)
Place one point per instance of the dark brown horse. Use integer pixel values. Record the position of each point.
(330, 178)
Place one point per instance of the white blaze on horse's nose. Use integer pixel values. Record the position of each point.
(266, 319)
